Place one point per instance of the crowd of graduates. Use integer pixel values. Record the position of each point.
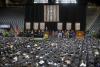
(54, 52)
(62, 49)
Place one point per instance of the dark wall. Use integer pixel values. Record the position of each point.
(73, 13)
(12, 16)
(67, 12)
(38, 13)
(2, 3)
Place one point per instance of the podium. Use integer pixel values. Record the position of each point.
(38, 35)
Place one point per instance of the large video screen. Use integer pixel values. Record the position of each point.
(66, 1)
(5, 26)
(40, 1)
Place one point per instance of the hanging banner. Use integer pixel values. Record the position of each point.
(28, 25)
(59, 26)
(42, 26)
(77, 26)
(68, 26)
(36, 25)
(51, 13)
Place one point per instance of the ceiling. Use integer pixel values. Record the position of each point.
(4, 2)
(96, 2)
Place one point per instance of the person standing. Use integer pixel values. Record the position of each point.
(67, 34)
(60, 34)
(73, 34)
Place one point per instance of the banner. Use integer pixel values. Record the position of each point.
(77, 26)
(59, 26)
(51, 13)
(42, 26)
(28, 25)
(68, 26)
(36, 25)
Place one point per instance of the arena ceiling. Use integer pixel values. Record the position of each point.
(23, 2)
